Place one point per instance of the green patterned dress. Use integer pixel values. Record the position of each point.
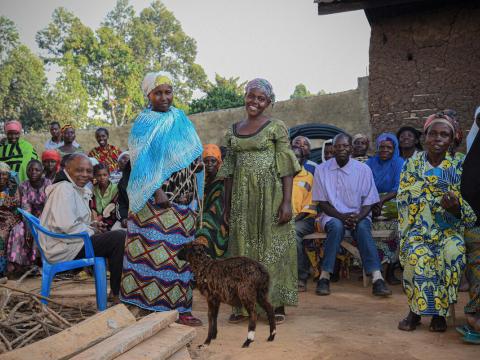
(432, 247)
(257, 163)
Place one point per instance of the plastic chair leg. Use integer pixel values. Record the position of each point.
(99, 270)
(47, 278)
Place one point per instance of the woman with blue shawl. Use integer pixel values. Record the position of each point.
(164, 187)
(386, 167)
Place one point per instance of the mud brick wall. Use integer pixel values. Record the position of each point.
(422, 62)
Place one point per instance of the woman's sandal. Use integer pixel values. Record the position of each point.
(410, 323)
(237, 318)
(189, 320)
(438, 324)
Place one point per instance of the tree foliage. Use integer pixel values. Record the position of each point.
(113, 59)
(23, 86)
(300, 92)
(8, 36)
(224, 94)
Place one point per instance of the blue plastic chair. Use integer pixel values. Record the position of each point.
(49, 270)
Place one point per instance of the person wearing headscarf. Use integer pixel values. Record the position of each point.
(16, 151)
(305, 144)
(327, 150)
(457, 141)
(213, 232)
(386, 167)
(105, 153)
(164, 190)
(68, 136)
(122, 161)
(51, 163)
(9, 217)
(21, 249)
(470, 187)
(259, 168)
(432, 219)
(361, 143)
(409, 141)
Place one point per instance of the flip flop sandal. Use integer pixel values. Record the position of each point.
(279, 319)
(463, 330)
(189, 320)
(472, 337)
(235, 319)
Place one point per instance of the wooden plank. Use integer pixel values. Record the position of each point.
(163, 345)
(376, 234)
(77, 338)
(129, 337)
(181, 354)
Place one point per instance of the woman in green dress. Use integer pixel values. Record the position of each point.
(432, 219)
(259, 167)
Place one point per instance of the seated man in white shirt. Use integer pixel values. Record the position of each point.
(67, 211)
(346, 192)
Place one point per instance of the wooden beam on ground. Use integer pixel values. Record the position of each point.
(77, 338)
(129, 337)
(162, 345)
(181, 354)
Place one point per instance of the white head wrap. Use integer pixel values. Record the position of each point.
(154, 79)
(326, 142)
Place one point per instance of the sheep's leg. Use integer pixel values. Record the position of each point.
(212, 307)
(215, 317)
(252, 323)
(265, 304)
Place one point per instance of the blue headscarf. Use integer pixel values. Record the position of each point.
(160, 144)
(386, 174)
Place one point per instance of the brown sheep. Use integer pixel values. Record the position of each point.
(237, 281)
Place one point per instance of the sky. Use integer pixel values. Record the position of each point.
(284, 41)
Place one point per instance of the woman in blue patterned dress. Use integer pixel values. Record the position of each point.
(432, 220)
(163, 190)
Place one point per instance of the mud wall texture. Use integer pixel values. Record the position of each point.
(422, 62)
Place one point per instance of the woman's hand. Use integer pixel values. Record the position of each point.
(285, 212)
(161, 199)
(451, 204)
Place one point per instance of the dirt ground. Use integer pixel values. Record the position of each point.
(348, 324)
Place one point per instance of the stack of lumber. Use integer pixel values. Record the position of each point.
(114, 334)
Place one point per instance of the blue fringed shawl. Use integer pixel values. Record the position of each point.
(159, 144)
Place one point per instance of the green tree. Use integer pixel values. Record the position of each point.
(23, 88)
(68, 100)
(113, 59)
(8, 36)
(300, 92)
(224, 94)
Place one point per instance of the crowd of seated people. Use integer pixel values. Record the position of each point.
(257, 195)
(24, 179)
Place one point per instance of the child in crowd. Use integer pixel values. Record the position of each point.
(105, 195)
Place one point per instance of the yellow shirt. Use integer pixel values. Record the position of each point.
(302, 193)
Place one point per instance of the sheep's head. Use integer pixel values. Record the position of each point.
(192, 251)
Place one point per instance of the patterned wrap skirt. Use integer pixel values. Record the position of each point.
(153, 277)
(472, 242)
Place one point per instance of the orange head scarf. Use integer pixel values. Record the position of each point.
(52, 155)
(212, 150)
